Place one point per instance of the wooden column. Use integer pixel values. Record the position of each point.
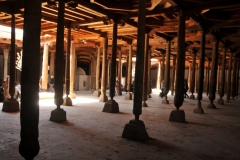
(103, 97)
(213, 78)
(29, 113)
(158, 79)
(229, 77)
(145, 70)
(45, 67)
(59, 115)
(72, 70)
(167, 73)
(173, 75)
(237, 76)
(233, 84)
(119, 73)
(193, 75)
(179, 115)
(111, 105)
(222, 81)
(149, 74)
(162, 68)
(207, 76)
(5, 56)
(199, 108)
(67, 99)
(128, 95)
(11, 105)
(135, 129)
(97, 92)
(52, 59)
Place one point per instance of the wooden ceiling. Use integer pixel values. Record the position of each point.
(92, 19)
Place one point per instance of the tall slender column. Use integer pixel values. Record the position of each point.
(189, 74)
(72, 70)
(52, 59)
(162, 68)
(192, 85)
(119, 90)
(213, 78)
(149, 75)
(59, 115)
(45, 67)
(237, 76)
(173, 75)
(179, 115)
(233, 86)
(97, 92)
(111, 105)
(67, 99)
(12, 105)
(29, 113)
(109, 71)
(145, 74)
(167, 73)
(5, 56)
(229, 77)
(93, 72)
(207, 76)
(199, 108)
(135, 129)
(222, 81)
(128, 95)
(103, 97)
(158, 75)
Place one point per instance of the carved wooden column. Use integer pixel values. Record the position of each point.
(97, 92)
(111, 105)
(233, 84)
(67, 100)
(222, 81)
(103, 97)
(72, 70)
(5, 56)
(167, 73)
(45, 67)
(149, 75)
(58, 114)
(158, 75)
(207, 76)
(179, 115)
(29, 113)
(135, 129)
(145, 74)
(192, 85)
(52, 59)
(162, 67)
(128, 95)
(199, 108)
(119, 73)
(12, 105)
(213, 78)
(237, 76)
(173, 75)
(229, 77)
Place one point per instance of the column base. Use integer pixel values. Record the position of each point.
(144, 104)
(192, 97)
(72, 95)
(221, 101)
(10, 105)
(67, 101)
(177, 116)
(103, 98)
(149, 96)
(211, 105)
(135, 130)
(111, 106)
(199, 108)
(97, 93)
(58, 115)
(165, 101)
(128, 96)
(119, 92)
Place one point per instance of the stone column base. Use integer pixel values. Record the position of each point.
(58, 115)
(111, 106)
(199, 108)
(192, 97)
(103, 98)
(128, 96)
(97, 93)
(149, 96)
(144, 104)
(10, 105)
(72, 95)
(211, 105)
(135, 130)
(67, 101)
(165, 101)
(221, 101)
(177, 116)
